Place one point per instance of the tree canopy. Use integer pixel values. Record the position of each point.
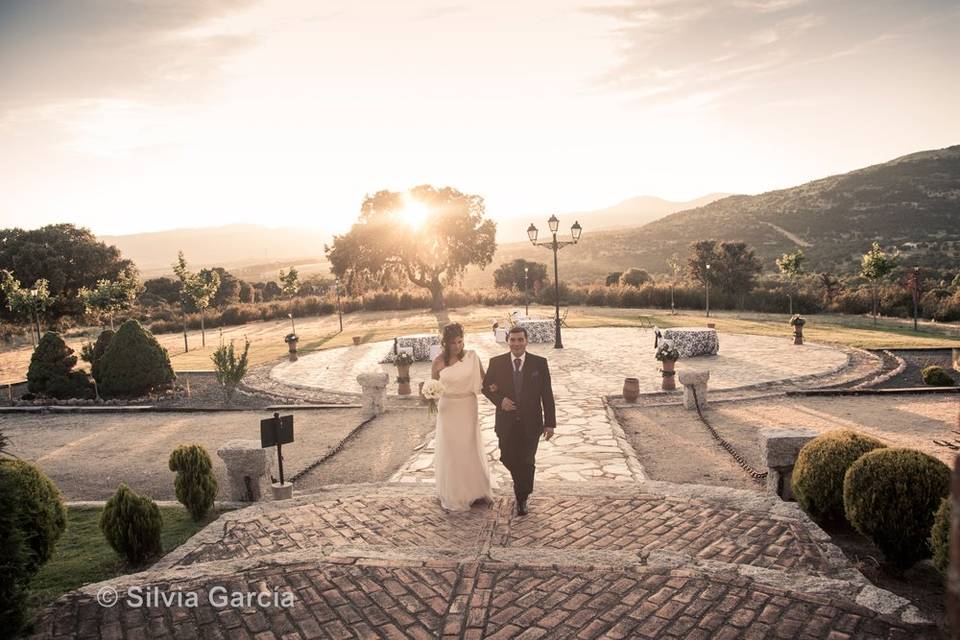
(733, 266)
(66, 256)
(511, 275)
(430, 250)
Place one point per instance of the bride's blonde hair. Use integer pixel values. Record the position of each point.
(451, 331)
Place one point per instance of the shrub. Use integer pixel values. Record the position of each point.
(134, 362)
(817, 479)
(51, 370)
(195, 484)
(937, 377)
(230, 369)
(100, 348)
(14, 577)
(940, 537)
(42, 518)
(634, 277)
(131, 524)
(891, 496)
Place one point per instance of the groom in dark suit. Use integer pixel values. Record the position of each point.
(518, 384)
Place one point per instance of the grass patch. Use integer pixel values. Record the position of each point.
(83, 556)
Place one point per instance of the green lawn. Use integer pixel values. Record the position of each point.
(83, 556)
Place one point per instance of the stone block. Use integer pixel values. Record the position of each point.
(374, 401)
(779, 448)
(248, 468)
(694, 388)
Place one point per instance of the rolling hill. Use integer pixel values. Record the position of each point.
(910, 204)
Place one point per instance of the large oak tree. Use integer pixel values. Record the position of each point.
(432, 252)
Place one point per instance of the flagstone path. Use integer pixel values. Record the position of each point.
(589, 445)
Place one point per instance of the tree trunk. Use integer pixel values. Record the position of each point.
(436, 290)
(186, 347)
(790, 298)
(875, 296)
(203, 335)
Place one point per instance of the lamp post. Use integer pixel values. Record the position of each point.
(555, 245)
(36, 318)
(526, 289)
(707, 282)
(293, 327)
(339, 310)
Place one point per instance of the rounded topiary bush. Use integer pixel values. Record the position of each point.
(99, 348)
(817, 479)
(940, 537)
(51, 370)
(195, 484)
(41, 514)
(132, 524)
(891, 496)
(937, 377)
(133, 363)
(14, 557)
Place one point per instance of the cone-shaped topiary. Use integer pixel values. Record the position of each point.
(817, 479)
(133, 363)
(42, 516)
(14, 558)
(132, 524)
(99, 348)
(891, 496)
(51, 370)
(937, 377)
(195, 484)
(940, 537)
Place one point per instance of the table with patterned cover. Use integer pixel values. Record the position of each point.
(420, 344)
(693, 341)
(538, 329)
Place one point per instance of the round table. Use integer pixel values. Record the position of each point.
(693, 341)
(538, 330)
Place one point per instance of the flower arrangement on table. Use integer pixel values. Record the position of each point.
(404, 358)
(666, 350)
(432, 390)
(797, 320)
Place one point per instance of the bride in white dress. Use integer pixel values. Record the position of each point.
(460, 463)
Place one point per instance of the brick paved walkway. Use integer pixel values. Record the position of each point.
(385, 561)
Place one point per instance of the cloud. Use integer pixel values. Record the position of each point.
(697, 55)
(67, 50)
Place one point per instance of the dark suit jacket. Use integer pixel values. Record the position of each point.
(535, 408)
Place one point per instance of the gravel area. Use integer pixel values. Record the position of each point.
(674, 446)
(917, 360)
(88, 456)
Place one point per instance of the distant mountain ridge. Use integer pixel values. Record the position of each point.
(910, 204)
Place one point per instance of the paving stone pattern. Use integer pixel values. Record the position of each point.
(386, 561)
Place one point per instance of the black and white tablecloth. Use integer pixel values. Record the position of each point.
(420, 344)
(538, 330)
(693, 341)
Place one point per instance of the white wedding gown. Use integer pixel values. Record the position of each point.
(460, 463)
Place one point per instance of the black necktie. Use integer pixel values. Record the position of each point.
(517, 378)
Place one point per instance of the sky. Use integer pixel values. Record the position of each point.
(126, 116)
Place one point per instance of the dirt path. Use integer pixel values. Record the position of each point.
(790, 236)
(87, 456)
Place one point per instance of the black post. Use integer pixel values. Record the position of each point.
(558, 342)
(526, 289)
(708, 296)
(276, 417)
(339, 312)
(36, 319)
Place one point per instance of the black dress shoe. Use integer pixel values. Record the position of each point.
(521, 506)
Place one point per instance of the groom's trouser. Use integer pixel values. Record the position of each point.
(518, 452)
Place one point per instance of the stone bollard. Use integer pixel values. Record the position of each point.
(248, 467)
(779, 448)
(374, 387)
(694, 380)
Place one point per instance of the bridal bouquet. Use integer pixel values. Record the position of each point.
(432, 390)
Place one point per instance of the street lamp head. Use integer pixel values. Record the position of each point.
(554, 224)
(526, 270)
(708, 266)
(575, 231)
(532, 233)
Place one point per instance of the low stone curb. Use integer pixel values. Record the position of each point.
(874, 392)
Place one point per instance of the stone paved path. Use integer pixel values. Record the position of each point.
(589, 445)
(385, 561)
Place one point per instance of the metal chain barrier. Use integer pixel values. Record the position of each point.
(756, 475)
(329, 454)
